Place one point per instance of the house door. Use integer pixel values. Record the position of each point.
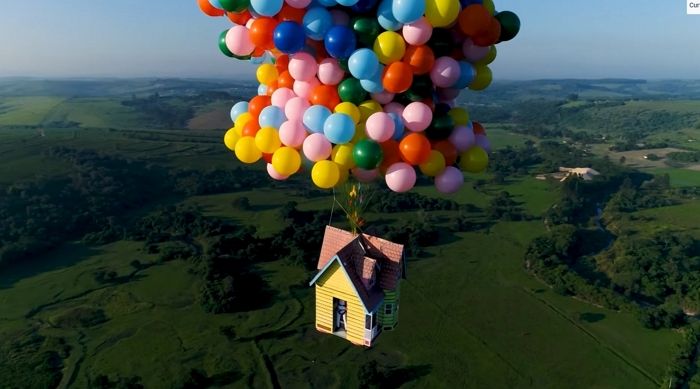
(340, 314)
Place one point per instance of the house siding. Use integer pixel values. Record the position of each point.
(390, 297)
(335, 284)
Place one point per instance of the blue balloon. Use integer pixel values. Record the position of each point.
(385, 16)
(374, 84)
(216, 4)
(364, 6)
(271, 116)
(239, 108)
(340, 42)
(315, 117)
(466, 3)
(399, 128)
(339, 128)
(347, 3)
(262, 90)
(466, 75)
(407, 11)
(317, 22)
(267, 7)
(289, 37)
(325, 3)
(363, 64)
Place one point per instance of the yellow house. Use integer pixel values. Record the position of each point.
(357, 286)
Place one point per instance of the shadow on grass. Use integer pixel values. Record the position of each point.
(395, 378)
(590, 317)
(65, 256)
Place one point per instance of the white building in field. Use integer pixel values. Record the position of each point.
(585, 173)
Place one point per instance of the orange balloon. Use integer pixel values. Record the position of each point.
(421, 58)
(474, 20)
(325, 95)
(415, 149)
(290, 13)
(240, 18)
(251, 128)
(282, 63)
(267, 157)
(261, 31)
(257, 104)
(258, 52)
(391, 155)
(398, 77)
(490, 36)
(272, 87)
(209, 9)
(285, 80)
(448, 150)
(478, 128)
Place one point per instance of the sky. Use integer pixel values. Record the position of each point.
(172, 38)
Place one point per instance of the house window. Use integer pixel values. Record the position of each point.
(389, 309)
(368, 322)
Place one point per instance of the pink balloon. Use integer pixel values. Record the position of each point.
(417, 116)
(363, 175)
(446, 72)
(317, 147)
(400, 177)
(463, 138)
(380, 127)
(292, 133)
(304, 88)
(329, 72)
(274, 174)
(298, 3)
(302, 66)
(472, 52)
(395, 108)
(295, 107)
(483, 142)
(340, 17)
(450, 180)
(417, 33)
(383, 97)
(281, 96)
(238, 41)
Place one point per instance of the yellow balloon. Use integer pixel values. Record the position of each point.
(267, 140)
(368, 108)
(490, 57)
(242, 120)
(390, 46)
(231, 138)
(349, 109)
(342, 155)
(483, 78)
(286, 161)
(246, 151)
(360, 133)
(474, 160)
(460, 116)
(488, 4)
(325, 174)
(434, 165)
(267, 73)
(442, 13)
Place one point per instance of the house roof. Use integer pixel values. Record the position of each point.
(358, 255)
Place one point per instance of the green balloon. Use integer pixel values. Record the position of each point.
(367, 154)
(351, 90)
(222, 45)
(367, 30)
(441, 127)
(343, 63)
(422, 88)
(235, 5)
(510, 25)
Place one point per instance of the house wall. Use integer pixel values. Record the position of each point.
(335, 284)
(390, 297)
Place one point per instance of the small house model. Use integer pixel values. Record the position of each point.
(357, 286)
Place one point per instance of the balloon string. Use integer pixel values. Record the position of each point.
(330, 220)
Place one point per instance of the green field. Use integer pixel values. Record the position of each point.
(26, 111)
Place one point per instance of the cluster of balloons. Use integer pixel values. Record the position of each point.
(363, 87)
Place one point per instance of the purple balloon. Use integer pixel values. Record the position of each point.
(483, 142)
(450, 180)
(463, 138)
(446, 72)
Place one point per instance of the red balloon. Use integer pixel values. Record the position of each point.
(209, 9)
(415, 149)
(391, 155)
(421, 58)
(282, 63)
(478, 128)
(251, 128)
(490, 36)
(474, 20)
(448, 150)
(290, 13)
(267, 157)
(240, 18)
(397, 77)
(261, 31)
(326, 95)
(257, 104)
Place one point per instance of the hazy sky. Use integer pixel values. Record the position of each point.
(560, 38)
